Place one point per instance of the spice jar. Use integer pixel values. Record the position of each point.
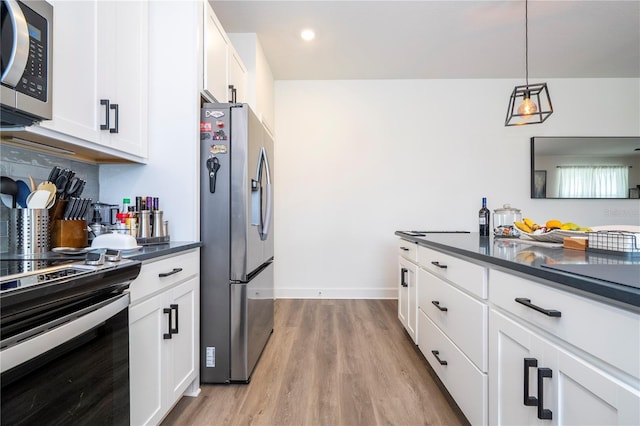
(503, 220)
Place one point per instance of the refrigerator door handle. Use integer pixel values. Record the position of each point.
(256, 197)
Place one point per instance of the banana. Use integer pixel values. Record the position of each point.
(523, 227)
(530, 224)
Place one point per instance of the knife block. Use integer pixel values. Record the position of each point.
(69, 233)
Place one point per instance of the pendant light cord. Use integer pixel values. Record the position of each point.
(526, 41)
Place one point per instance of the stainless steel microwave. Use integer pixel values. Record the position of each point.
(26, 50)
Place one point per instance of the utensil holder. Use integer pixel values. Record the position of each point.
(69, 233)
(28, 231)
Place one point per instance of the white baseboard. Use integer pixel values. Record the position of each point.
(336, 293)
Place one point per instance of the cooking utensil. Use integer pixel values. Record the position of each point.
(23, 193)
(78, 192)
(9, 187)
(32, 184)
(72, 187)
(48, 186)
(38, 199)
(61, 184)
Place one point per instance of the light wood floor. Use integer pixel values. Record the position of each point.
(329, 362)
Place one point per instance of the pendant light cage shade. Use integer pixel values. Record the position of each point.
(536, 93)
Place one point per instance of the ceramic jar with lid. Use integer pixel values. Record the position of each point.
(503, 219)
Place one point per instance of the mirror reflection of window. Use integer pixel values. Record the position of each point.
(593, 181)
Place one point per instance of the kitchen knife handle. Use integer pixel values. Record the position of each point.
(117, 110)
(105, 126)
(170, 312)
(166, 274)
(528, 400)
(547, 312)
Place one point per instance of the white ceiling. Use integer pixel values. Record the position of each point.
(441, 39)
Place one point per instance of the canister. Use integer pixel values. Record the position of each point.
(503, 219)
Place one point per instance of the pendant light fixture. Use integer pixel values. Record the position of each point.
(533, 99)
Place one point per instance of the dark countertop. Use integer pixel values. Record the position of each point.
(537, 261)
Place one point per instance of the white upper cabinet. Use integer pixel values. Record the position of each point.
(260, 78)
(100, 70)
(222, 65)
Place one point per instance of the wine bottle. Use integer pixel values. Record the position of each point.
(483, 219)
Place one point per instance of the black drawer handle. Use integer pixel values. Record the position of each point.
(436, 354)
(404, 249)
(403, 280)
(166, 274)
(434, 263)
(105, 126)
(174, 330)
(547, 312)
(437, 305)
(530, 401)
(543, 413)
(170, 312)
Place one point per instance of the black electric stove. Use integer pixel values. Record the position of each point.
(32, 291)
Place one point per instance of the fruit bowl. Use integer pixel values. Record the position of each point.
(554, 236)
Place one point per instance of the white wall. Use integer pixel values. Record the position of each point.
(358, 160)
(175, 81)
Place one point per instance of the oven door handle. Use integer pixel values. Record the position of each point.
(58, 331)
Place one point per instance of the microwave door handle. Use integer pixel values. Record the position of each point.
(20, 48)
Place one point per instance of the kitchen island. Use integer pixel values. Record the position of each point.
(516, 338)
(526, 257)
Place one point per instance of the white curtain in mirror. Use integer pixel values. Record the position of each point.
(593, 181)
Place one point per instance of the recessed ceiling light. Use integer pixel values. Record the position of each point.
(307, 35)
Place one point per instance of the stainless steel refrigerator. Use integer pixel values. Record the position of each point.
(236, 229)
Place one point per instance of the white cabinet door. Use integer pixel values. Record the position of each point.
(123, 73)
(182, 357)
(509, 345)
(76, 106)
(563, 388)
(147, 323)
(237, 77)
(407, 303)
(215, 56)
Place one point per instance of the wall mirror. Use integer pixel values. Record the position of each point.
(585, 167)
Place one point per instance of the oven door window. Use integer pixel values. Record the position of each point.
(84, 380)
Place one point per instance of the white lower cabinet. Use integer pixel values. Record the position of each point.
(534, 381)
(163, 338)
(407, 296)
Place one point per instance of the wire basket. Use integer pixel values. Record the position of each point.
(614, 242)
(28, 231)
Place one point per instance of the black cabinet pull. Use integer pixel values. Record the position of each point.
(437, 305)
(543, 413)
(166, 274)
(174, 307)
(404, 249)
(232, 93)
(436, 354)
(168, 311)
(117, 110)
(434, 263)
(547, 312)
(105, 102)
(403, 274)
(530, 401)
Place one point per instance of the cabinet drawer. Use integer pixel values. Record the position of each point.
(466, 384)
(177, 268)
(462, 273)
(465, 320)
(604, 331)
(408, 250)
